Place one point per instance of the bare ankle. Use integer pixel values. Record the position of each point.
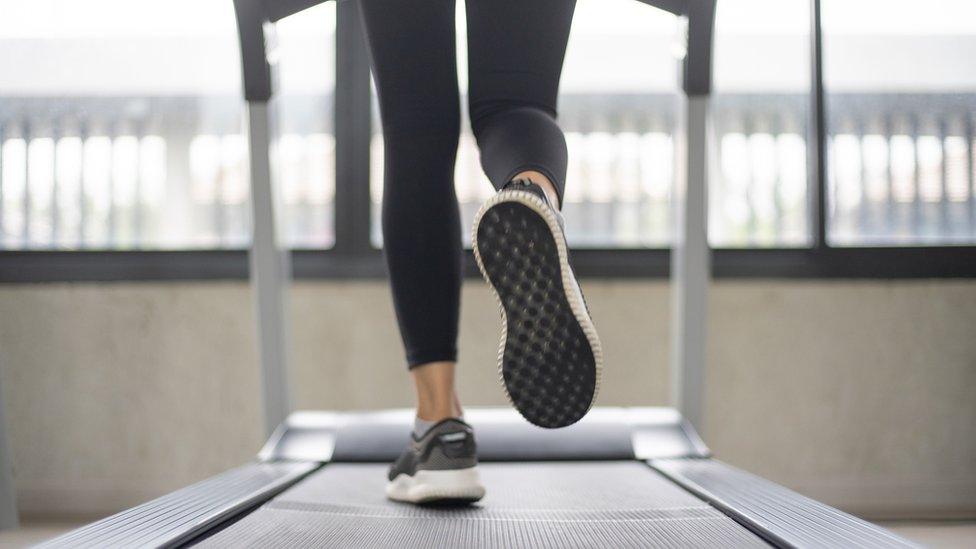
(543, 182)
(436, 396)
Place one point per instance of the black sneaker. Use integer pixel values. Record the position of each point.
(549, 359)
(439, 467)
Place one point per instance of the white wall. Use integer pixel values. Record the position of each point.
(857, 393)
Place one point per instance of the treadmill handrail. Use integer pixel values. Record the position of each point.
(675, 7)
(255, 70)
(697, 72)
(252, 15)
(276, 10)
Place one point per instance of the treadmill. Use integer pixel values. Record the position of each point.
(621, 477)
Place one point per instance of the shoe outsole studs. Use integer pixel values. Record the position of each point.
(549, 355)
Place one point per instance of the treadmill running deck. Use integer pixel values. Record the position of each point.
(553, 504)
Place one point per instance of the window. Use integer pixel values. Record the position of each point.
(759, 193)
(305, 125)
(900, 77)
(617, 107)
(121, 126)
(842, 141)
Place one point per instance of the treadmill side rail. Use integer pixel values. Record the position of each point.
(184, 514)
(778, 514)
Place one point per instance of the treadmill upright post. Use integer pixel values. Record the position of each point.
(690, 253)
(270, 270)
(8, 496)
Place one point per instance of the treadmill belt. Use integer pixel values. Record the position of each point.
(562, 504)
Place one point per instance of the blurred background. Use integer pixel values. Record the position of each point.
(842, 330)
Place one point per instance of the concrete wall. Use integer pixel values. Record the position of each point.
(857, 393)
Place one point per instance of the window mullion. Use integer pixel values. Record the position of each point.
(817, 135)
(352, 133)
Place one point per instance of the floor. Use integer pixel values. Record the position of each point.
(33, 533)
(949, 534)
(937, 535)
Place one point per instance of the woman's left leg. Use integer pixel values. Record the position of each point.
(411, 45)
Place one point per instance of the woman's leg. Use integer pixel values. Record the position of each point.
(515, 55)
(411, 45)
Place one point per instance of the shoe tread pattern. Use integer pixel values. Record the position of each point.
(547, 365)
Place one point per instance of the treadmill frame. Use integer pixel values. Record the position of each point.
(9, 518)
(658, 437)
(270, 261)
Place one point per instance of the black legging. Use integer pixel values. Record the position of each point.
(515, 57)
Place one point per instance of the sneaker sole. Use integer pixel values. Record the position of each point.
(450, 486)
(549, 358)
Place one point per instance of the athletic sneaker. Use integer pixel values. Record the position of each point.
(438, 467)
(549, 360)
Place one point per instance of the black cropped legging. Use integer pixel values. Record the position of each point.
(515, 57)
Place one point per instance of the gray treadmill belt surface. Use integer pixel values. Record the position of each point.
(564, 504)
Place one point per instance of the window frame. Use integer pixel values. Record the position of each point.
(354, 257)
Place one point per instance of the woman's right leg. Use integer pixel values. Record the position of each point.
(551, 356)
(515, 59)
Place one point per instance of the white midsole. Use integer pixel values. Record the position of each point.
(434, 485)
(573, 293)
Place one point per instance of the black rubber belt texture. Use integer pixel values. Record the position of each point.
(782, 516)
(547, 504)
(183, 514)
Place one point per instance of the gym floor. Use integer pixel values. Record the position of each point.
(934, 534)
